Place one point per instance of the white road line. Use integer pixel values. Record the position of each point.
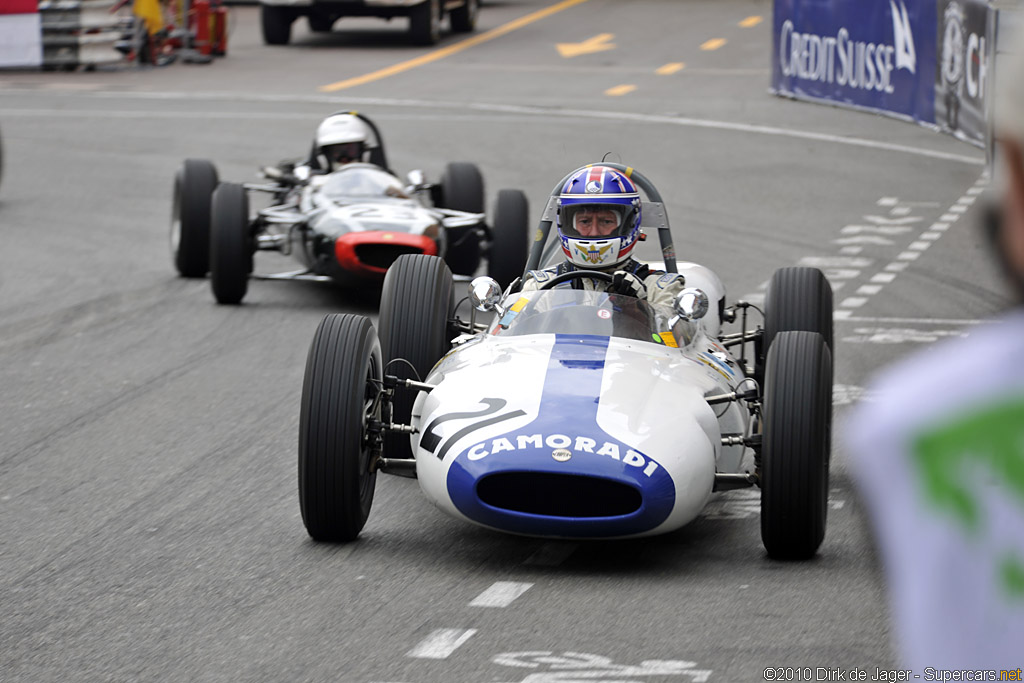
(540, 112)
(919, 246)
(834, 262)
(909, 255)
(552, 554)
(958, 208)
(966, 200)
(441, 643)
(853, 302)
(908, 321)
(948, 217)
(931, 235)
(500, 594)
(939, 226)
(896, 267)
(888, 201)
(841, 273)
(976, 190)
(883, 278)
(841, 315)
(900, 211)
(869, 290)
(851, 250)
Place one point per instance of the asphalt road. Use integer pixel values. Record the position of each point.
(149, 522)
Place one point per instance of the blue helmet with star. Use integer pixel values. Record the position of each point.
(598, 217)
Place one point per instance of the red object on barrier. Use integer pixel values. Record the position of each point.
(210, 27)
(201, 26)
(219, 29)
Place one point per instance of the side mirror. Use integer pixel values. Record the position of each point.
(691, 304)
(484, 294)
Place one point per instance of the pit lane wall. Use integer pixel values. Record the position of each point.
(20, 35)
(928, 61)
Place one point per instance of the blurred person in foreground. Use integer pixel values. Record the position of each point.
(939, 460)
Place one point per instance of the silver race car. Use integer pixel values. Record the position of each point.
(347, 226)
(574, 413)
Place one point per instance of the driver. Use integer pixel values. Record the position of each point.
(598, 222)
(341, 139)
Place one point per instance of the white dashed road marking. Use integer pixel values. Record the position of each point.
(441, 643)
(501, 594)
(880, 231)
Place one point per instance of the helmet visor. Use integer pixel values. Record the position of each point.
(593, 220)
(344, 152)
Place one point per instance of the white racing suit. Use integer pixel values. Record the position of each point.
(661, 287)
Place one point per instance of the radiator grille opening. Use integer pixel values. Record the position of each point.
(383, 255)
(558, 495)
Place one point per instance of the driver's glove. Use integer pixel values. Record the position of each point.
(628, 284)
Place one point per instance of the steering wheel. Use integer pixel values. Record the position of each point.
(576, 275)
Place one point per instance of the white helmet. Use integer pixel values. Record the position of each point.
(343, 138)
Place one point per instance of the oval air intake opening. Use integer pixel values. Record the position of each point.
(383, 255)
(558, 495)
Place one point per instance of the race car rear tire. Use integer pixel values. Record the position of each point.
(510, 237)
(415, 305)
(796, 411)
(462, 189)
(425, 22)
(194, 184)
(343, 375)
(231, 244)
(463, 19)
(276, 23)
(797, 298)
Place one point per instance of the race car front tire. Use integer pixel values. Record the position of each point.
(194, 184)
(415, 305)
(796, 411)
(343, 374)
(231, 244)
(276, 23)
(510, 237)
(462, 189)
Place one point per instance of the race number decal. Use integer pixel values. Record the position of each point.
(431, 440)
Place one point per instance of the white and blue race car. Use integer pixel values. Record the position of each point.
(574, 413)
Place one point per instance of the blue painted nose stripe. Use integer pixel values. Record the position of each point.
(567, 420)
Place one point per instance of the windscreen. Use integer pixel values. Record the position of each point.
(362, 181)
(573, 311)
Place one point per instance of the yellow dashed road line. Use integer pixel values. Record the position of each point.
(670, 68)
(751, 21)
(620, 90)
(713, 44)
(451, 49)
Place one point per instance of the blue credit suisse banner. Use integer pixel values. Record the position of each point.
(878, 54)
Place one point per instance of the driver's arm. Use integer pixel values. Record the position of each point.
(534, 280)
(662, 288)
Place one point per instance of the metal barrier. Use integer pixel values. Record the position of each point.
(82, 33)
